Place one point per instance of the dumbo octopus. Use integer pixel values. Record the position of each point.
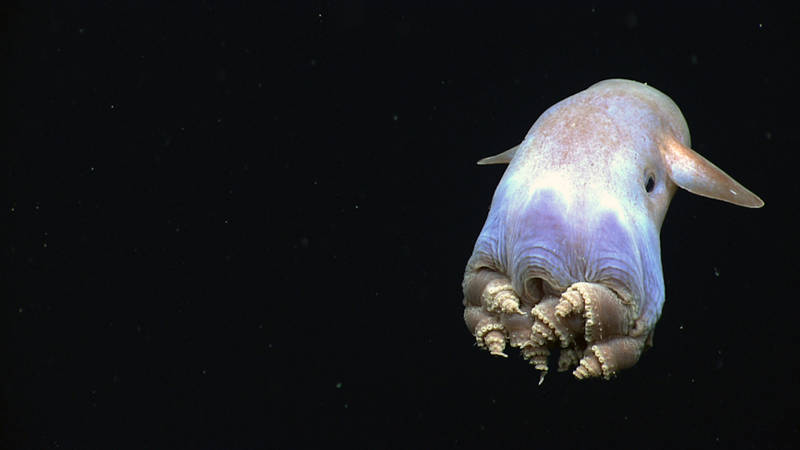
(569, 256)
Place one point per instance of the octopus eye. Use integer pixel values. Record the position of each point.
(650, 183)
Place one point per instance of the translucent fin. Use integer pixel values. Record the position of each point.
(502, 158)
(699, 176)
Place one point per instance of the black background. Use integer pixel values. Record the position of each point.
(244, 225)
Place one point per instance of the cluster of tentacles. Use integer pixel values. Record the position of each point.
(590, 323)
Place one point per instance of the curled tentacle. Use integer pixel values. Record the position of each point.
(606, 314)
(495, 341)
(536, 356)
(483, 325)
(499, 296)
(607, 358)
(545, 314)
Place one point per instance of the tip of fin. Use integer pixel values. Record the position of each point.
(502, 158)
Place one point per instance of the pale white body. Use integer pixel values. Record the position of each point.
(581, 205)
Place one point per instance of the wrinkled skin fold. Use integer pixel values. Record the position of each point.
(569, 259)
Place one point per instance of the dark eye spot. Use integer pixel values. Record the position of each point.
(650, 183)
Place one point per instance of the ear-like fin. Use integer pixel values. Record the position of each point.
(699, 176)
(502, 158)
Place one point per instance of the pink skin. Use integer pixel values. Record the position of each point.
(569, 256)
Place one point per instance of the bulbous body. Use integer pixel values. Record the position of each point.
(569, 256)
